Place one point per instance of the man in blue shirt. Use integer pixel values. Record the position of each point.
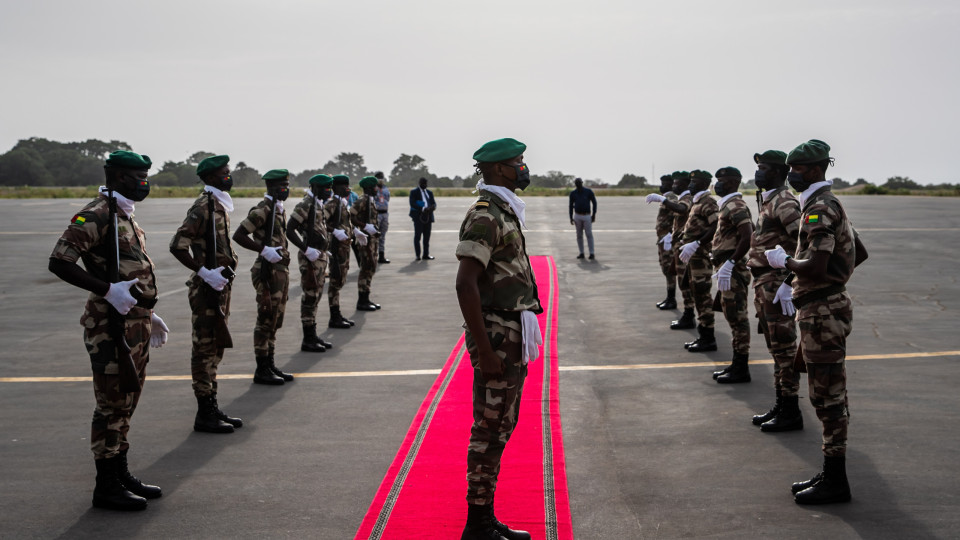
(581, 200)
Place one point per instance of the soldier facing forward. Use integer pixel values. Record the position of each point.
(363, 216)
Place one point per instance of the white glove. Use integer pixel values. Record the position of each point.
(777, 257)
(119, 296)
(271, 254)
(784, 297)
(311, 254)
(340, 235)
(361, 238)
(214, 278)
(532, 339)
(158, 331)
(655, 197)
(723, 276)
(687, 250)
(370, 229)
(667, 241)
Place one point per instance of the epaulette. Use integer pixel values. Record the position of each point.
(483, 204)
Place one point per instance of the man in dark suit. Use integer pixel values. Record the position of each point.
(422, 205)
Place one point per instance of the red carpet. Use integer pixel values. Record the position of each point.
(422, 495)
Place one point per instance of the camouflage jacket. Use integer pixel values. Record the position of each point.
(778, 224)
(824, 226)
(491, 234)
(86, 239)
(363, 211)
(702, 218)
(333, 208)
(192, 235)
(299, 216)
(256, 225)
(680, 218)
(734, 213)
(665, 217)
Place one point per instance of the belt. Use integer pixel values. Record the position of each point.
(818, 294)
(582, 213)
(757, 272)
(379, 211)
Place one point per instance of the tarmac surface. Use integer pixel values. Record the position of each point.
(654, 447)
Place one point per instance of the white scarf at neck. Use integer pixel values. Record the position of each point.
(810, 190)
(225, 199)
(701, 194)
(726, 198)
(124, 204)
(516, 203)
(278, 203)
(684, 193)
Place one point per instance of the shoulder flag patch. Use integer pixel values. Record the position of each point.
(78, 219)
(483, 204)
(813, 218)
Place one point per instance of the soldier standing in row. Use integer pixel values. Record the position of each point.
(828, 249)
(730, 246)
(695, 253)
(118, 318)
(664, 229)
(681, 211)
(498, 298)
(778, 225)
(336, 215)
(307, 230)
(363, 217)
(203, 240)
(382, 199)
(270, 272)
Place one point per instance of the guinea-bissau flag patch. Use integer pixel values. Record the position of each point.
(813, 218)
(78, 219)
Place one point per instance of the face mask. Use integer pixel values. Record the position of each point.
(665, 189)
(227, 182)
(281, 193)
(134, 188)
(721, 189)
(797, 181)
(760, 179)
(698, 186)
(523, 175)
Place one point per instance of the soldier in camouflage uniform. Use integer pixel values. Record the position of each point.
(695, 253)
(681, 211)
(209, 288)
(730, 245)
(664, 229)
(312, 240)
(828, 249)
(363, 217)
(270, 272)
(779, 224)
(498, 298)
(89, 237)
(336, 215)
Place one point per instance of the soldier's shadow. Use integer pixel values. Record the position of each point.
(413, 267)
(594, 266)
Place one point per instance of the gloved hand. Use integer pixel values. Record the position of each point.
(214, 278)
(532, 338)
(667, 241)
(655, 198)
(784, 297)
(158, 331)
(119, 296)
(311, 254)
(370, 229)
(723, 276)
(777, 257)
(340, 235)
(361, 238)
(271, 254)
(687, 250)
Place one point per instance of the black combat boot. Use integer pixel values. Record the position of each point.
(336, 319)
(685, 321)
(831, 487)
(504, 530)
(382, 259)
(276, 371)
(788, 418)
(263, 374)
(722, 371)
(131, 482)
(671, 301)
(311, 343)
(759, 419)
(235, 422)
(110, 493)
(705, 343)
(480, 524)
(207, 420)
(364, 303)
(739, 372)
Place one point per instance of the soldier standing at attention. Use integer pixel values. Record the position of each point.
(337, 217)
(828, 249)
(270, 272)
(681, 211)
(209, 288)
(308, 232)
(730, 246)
(383, 215)
(695, 253)
(498, 298)
(779, 224)
(91, 236)
(664, 228)
(363, 217)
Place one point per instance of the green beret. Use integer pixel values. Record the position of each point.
(729, 171)
(211, 164)
(129, 160)
(811, 151)
(681, 175)
(321, 180)
(771, 157)
(341, 180)
(499, 150)
(369, 181)
(666, 178)
(276, 174)
(704, 175)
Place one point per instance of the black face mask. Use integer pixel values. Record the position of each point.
(322, 192)
(760, 179)
(134, 188)
(523, 175)
(698, 186)
(227, 182)
(721, 189)
(281, 193)
(665, 189)
(798, 182)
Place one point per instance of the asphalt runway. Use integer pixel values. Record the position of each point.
(654, 448)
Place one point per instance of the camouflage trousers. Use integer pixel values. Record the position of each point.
(780, 333)
(383, 223)
(667, 265)
(735, 304)
(111, 417)
(312, 276)
(368, 263)
(269, 314)
(206, 355)
(685, 291)
(824, 327)
(334, 285)
(700, 275)
(496, 406)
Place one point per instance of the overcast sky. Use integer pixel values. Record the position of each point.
(595, 88)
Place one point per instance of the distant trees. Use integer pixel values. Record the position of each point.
(632, 181)
(40, 162)
(553, 179)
